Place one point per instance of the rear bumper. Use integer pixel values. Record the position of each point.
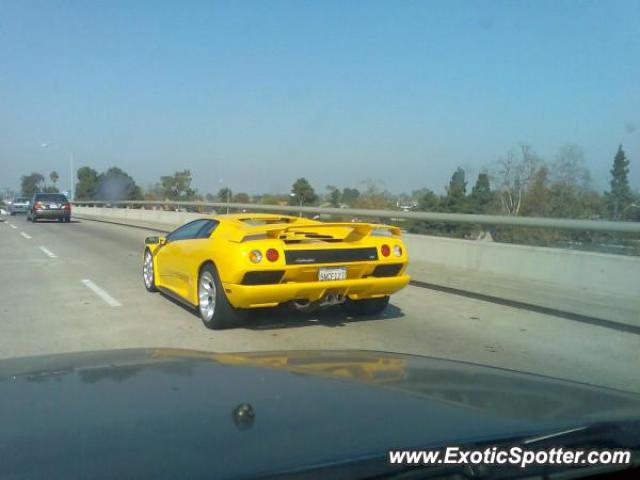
(253, 296)
(58, 213)
(18, 209)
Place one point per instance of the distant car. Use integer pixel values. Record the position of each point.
(53, 206)
(19, 205)
(223, 265)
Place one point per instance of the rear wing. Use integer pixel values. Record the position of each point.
(337, 231)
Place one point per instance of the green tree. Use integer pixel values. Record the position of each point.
(633, 212)
(535, 201)
(481, 197)
(31, 184)
(224, 195)
(87, 184)
(428, 201)
(350, 195)
(177, 186)
(455, 199)
(115, 184)
(241, 198)
(374, 196)
(619, 195)
(154, 192)
(54, 177)
(302, 192)
(274, 199)
(333, 196)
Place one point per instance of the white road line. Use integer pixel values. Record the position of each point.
(27, 236)
(12, 225)
(48, 252)
(112, 302)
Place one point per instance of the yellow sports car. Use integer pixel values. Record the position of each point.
(227, 264)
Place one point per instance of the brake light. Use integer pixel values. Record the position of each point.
(67, 206)
(37, 205)
(385, 250)
(272, 255)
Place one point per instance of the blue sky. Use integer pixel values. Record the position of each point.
(260, 93)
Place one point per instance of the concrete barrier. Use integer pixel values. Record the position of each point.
(161, 219)
(589, 284)
(584, 283)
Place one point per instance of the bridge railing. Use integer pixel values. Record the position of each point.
(435, 217)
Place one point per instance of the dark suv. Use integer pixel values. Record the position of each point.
(49, 205)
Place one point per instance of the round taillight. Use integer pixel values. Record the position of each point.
(255, 256)
(272, 255)
(385, 250)
(397, 250)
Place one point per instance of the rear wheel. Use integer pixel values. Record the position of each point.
(34, 219)
(67, 219)
(215, 310)
(148, 272)
(367, 306)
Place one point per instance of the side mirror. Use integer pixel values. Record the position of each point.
(155, 240)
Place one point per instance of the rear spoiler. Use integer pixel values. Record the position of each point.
(346, 231)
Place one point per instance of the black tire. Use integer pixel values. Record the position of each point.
(61, 219)
(34, 219)
(225, 315)
(367, 306)
(13, 213)
(67, 219)
(151, 286)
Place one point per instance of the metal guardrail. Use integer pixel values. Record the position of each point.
(454, 218)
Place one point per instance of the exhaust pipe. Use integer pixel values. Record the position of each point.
(327, 301)
(331, 299)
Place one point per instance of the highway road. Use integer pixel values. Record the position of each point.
(78, 286)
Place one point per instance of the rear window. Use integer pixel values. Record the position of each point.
(21, 200)
(51, 197)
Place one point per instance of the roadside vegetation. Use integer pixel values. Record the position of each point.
(519, 183)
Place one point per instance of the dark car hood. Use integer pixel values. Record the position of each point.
(170, 413)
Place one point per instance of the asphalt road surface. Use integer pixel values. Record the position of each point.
(78, 287)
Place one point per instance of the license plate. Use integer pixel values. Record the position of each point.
(54, 205)
(331, 274)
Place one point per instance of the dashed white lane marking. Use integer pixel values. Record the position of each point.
(12, 225)
(48, 252)
(25, 235)
(112, 302)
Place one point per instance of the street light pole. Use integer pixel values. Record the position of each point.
(71, 177)
(228, 193)
(301, 198)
